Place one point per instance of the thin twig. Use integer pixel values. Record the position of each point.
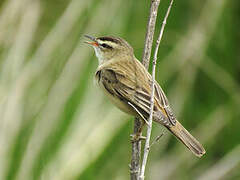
(140, 114)
(136, 145)
(149, 129)
(156, 140)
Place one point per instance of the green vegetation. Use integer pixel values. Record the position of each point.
(55, 124)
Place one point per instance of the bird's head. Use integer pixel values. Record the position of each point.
(108, 48)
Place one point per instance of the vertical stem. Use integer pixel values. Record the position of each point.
(136, 145)
(136, 152)
(149, 129)
(150, 33)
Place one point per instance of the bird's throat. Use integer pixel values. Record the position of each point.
(99, 55)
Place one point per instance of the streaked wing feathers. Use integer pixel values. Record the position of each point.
(132, 83)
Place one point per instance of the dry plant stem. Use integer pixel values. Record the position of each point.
(138, 112)
(149, 129)
(136, 145)
(150, 33)
(136, 152)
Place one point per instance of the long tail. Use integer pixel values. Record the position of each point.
(187, 139)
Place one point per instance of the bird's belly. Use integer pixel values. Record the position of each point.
(117, 102)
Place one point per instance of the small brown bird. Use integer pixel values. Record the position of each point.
(127, 83)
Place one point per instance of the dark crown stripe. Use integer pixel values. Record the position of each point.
(109, 39)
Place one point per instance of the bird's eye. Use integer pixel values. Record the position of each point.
(106, 46)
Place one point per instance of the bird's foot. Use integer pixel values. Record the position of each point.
(137, 137)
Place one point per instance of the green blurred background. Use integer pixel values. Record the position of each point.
(54, 122)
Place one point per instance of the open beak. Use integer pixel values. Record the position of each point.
(93, 42)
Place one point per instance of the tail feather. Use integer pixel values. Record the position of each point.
(187, 139)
